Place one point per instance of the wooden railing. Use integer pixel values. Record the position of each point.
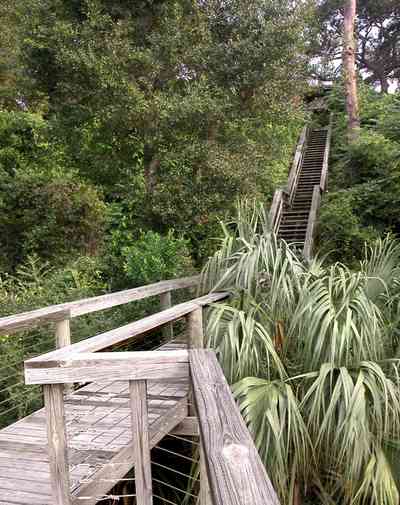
(277, 207)
(284, 196)
(296, 166)
(14, 400)
(316, 198)
(231, 470)
(312, 223)
(324, 174)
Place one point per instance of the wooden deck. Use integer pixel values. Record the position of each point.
(76, 449)
(98, 421)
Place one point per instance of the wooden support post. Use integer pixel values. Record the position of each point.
(57, 443)
(166, 303)
(196, 341)
(195, 332)
(195, 329)
(63, 334)
(63, 339)
(140, 442)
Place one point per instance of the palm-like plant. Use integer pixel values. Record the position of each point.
(311, 352)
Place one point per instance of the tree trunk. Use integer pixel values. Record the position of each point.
(384, 84)
(349, 68)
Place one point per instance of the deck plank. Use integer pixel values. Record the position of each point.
(98, 427)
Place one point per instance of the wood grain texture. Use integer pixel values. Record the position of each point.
(141, 442)
(325, 165)
(296, 165)
(87, 367)
(123, 461)
(312, 223)
(275, 212)
(188, 426)
(195, 329)
(26, 320)
(166, 303)
(119, 335)
(63, 334)
(99, 440)
(57, 444)
(63, 338)
(235, 470)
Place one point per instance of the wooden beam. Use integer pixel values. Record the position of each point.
(140, 442)
(195, 329)
(166, 303)
(57, 444)
(187, 427)
(275, 213)
(63, 338)
(325, 165)
(88, 367)
(312, 224)
(296, 165)
(27, 320)
(110, 338)
(236, 473)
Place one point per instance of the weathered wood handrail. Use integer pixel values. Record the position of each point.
(284, 196)
(81, 363)
(324, 173)
(312, 223)
(236, 473)
(296, 166)
(119, 335)
(275, 213)
(70, 310)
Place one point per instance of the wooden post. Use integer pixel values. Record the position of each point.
(63, 339)
(166, 303)
(195, 329)
(140, 442)
(196, 341)
(57, 443)
(312, 224)
(63, 334)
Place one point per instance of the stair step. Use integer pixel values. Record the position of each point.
(294, 221)
(291, 212)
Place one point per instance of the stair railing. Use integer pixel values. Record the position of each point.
(324, 173)
(25, 343)
(312, 223)
(296, 166)
(316, 198)
(284, 196)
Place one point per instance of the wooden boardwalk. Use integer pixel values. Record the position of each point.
(98, 421)
(80, 446)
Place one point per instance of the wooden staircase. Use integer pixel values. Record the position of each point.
(295, 208)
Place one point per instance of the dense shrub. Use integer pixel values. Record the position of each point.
(51, 214)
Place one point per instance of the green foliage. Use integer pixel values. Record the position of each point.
(342, 232)
(174, 108)
(363, 178)
(51, 214)
(314, 360)
(45, 208)
(155, 257)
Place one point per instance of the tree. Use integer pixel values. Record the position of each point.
(311, 353)
(349, 69)
(174, 108)
(378, 41)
